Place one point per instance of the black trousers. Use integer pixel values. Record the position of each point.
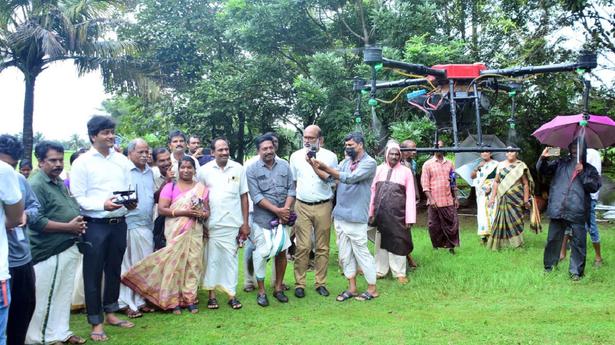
(23, 301)
(104, 254)
(578, 245)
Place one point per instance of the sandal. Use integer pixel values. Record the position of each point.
(122, 324)
(147, 309)
(212, 303)
(75, 339)
(133, 314)
(234, 303)
(98, 336)
(344, 296)
(193, 309)
(177, 310)
(366, 296)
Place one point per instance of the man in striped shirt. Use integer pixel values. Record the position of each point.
(438, 182)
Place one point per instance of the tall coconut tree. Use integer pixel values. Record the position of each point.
(35, 34)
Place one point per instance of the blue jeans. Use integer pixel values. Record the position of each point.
(592, 226)
(5, 301)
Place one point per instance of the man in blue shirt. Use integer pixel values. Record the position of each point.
(140, 224)
(350, 215)
(23, 293)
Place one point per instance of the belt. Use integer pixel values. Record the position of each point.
(114, 220)
(314, 203)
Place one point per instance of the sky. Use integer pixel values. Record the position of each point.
(64, 102)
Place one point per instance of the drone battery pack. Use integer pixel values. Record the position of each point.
(462, 71)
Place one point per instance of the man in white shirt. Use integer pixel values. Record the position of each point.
(177, 147)
(11, 215)
(228, 222)
(140, 224)
(94, 178)
(313, 207)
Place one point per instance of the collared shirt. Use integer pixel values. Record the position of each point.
(354, 190)
(225, 185)
(19, 245)
(9, 195)
(310, 187)
(56, 205)
(143, 215)
(275, 185)
(94, 178)
(436, 179)
(593, 158)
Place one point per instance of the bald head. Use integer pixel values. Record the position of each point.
(408, 155)
(312, 135)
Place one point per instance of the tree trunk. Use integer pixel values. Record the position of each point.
(28, 112)
(240, 136)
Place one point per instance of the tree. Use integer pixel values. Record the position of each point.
(34, 34)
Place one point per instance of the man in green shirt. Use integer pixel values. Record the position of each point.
(53, 236)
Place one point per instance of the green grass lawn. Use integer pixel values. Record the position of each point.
(474, 297)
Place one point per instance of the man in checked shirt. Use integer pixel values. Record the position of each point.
(438, 182)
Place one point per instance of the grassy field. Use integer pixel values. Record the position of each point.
(475, 297)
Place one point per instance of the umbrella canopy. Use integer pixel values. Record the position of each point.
(465, 162)
(599, 131)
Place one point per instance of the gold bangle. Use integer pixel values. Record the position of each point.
(173, 213)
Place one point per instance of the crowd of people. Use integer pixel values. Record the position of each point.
(143, 230)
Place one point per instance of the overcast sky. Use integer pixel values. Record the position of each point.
(63, 102)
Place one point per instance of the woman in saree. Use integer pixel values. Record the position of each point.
(169, 278)
(484, 175)
(512, 189)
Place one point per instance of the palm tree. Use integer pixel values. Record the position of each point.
(36, 33)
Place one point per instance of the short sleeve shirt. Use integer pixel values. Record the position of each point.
(436, 179)
(9, 195)
(225, 185)
(310, 187)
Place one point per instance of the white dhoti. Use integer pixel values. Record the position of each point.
(55, 278)
(386, 260)
(249, 279)
(261, 253)
(139, 244)
(221, 260)
(353, 251)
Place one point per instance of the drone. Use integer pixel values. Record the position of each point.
(456, 98)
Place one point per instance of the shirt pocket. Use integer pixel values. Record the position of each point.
(264, 183)
(281, 184)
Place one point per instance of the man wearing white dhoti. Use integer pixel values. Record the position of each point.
(228, 222)
(140, 237)
(272, 191)
(53, 234)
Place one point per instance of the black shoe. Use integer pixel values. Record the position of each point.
(262, 300)
(280, 296)
(322, 291)
(299, 292)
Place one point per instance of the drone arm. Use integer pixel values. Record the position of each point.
(414, 68)
(586, 62)
(398, 83)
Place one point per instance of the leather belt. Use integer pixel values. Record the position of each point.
(314, 203)
(114, 220)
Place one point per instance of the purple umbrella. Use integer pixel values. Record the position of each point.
(598, 131)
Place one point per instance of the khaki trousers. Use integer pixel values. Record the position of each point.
(316, 219)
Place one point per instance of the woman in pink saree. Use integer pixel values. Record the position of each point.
(169, 278)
